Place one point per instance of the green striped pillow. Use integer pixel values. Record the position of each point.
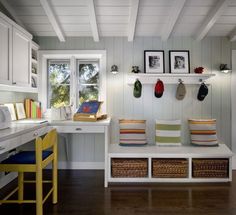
(168, 132)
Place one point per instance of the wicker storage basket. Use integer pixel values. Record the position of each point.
(129, 167)
(169, 168)
(210, 168)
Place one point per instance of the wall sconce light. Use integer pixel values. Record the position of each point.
(224, 68)
(114, 69)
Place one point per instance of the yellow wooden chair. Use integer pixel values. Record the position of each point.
(34, 161)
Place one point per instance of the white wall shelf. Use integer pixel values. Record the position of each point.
(168, 78)
(13, 88)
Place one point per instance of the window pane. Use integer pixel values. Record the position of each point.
(88, 93)
(58, 83)
(88, 72)
(88, 80)
(59, 72)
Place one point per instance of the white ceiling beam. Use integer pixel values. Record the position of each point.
(52, 19)
(232, 36)
(133, 19)
(211, 19)
(175, 11)
(93, 20)
(12, 12)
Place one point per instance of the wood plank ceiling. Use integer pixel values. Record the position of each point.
(128, 18)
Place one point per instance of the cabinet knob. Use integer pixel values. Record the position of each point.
(78, 129)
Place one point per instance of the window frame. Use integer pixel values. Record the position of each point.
(49, 61)
(72, 56)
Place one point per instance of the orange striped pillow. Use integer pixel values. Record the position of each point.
(132, 132)
(203, 132)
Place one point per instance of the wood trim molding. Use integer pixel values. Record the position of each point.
(211, 19)
(92, 20)
(52, 19)
(172, 19)
(133, 19)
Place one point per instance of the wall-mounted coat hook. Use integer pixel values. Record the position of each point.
(180, 80)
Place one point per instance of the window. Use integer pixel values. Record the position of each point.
(88, 81)
(69, 77)
(58, 83)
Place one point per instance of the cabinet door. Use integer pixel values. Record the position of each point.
(21, 58)
(5, 52)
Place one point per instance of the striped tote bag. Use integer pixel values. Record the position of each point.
(132, 132)
(203, 132)
(168, 132)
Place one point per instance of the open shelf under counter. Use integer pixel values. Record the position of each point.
(14, 88)
(168, 78)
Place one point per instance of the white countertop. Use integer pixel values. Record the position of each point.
(19, 128)
(23, 126)
(104, 122)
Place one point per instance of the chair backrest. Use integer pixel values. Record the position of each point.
(48, 141)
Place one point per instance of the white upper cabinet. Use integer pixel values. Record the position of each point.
(15, 56)
(5, 52)
(21, 60)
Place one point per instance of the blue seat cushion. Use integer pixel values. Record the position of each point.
(25, 157)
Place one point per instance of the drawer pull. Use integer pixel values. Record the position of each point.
(78, 129)
(36, 134)
(2, 148)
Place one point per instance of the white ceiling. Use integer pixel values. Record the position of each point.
(113, 17)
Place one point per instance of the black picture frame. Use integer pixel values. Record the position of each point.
(154, 61)
(179, 61)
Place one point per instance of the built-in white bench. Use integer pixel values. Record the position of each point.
(153, 152)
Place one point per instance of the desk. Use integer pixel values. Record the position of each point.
(77, 127)
(21, 133)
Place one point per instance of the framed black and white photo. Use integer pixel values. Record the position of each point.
(154, 61)
(179, 61)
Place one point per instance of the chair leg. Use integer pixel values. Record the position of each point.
(20, 186)
(39, 192)
(54, 182)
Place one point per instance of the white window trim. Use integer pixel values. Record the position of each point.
(72, 55)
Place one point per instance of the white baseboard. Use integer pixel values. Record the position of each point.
(80, 165)
(7, 179)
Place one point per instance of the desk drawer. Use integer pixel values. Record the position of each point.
(12, 143)
(80, 129)
(33, 134)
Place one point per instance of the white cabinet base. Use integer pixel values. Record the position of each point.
(187, 152)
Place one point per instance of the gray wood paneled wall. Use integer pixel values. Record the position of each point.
(208, 53)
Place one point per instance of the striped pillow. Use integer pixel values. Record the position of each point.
(203, 132)
(132, 132)
(168, 132)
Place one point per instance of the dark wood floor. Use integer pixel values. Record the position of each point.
(81, 192)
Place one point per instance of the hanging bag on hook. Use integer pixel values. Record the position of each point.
(202, 92)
